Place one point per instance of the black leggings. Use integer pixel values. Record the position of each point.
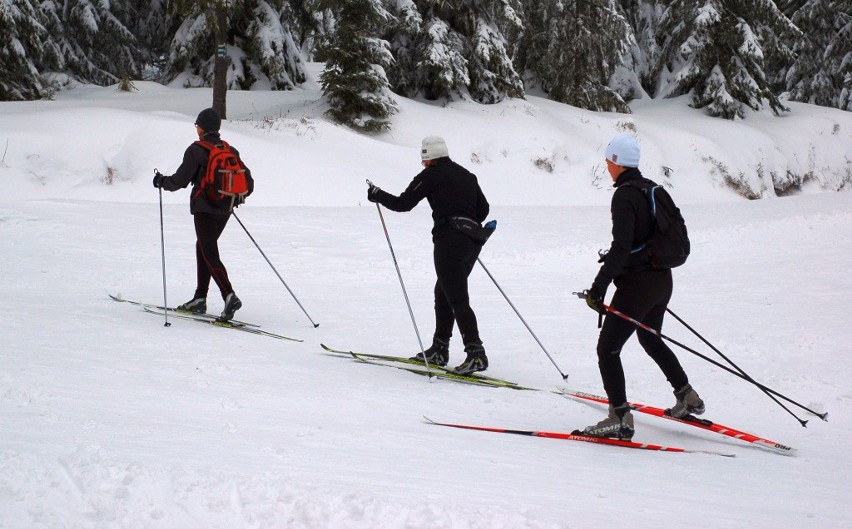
(208, 228)
(642, 296)
(455, 255)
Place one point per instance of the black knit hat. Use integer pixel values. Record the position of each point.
(209, 120)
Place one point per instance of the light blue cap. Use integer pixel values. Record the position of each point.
(623, 150)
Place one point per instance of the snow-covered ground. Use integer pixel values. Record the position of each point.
(109, 419)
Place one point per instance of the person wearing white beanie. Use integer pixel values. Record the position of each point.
(433, 147)
(458, 209)
(642, 292)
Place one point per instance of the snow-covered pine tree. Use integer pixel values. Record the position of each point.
(24, 49)
(260, 45)
(354, 80)
(822, 71)
(493, 77)
(789, 7)
(579, 52)
(402, 36)
(716, 51)
(270, 44)
(644, 16)
(96, 45)
(148, 21)
(449, 50)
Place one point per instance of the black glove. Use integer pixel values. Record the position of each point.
(602, 255)
(373, 193)
(158, 179)
(595, 299)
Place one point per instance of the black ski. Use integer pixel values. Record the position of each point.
(406, 360)
(418, 368)
(226, 324)
(173, 310)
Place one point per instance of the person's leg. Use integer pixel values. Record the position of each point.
(444, 319)
(455, 255)
(633, 299)
(659, 286)
(208, 228)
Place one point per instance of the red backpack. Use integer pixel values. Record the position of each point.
(225, 178)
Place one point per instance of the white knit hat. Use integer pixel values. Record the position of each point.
(433, 147)
(623, 150)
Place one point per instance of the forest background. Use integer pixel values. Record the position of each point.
(727, 56)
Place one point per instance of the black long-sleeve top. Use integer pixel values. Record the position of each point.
(632, 225)
(450, 189)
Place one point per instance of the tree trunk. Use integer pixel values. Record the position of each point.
(220, 63)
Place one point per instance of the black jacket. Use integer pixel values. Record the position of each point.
(452, 191)
(192, 170)
(632, 225)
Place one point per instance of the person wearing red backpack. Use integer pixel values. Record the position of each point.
(210, 214)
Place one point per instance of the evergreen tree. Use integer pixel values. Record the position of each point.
(354, 79)
(715, 50)
(403, 35)
(454, 50)
(84, 39)
(96, 45)
(24, 50)
(256, 36)
(822, 72)
(644, 17)
(789, 7)
(148, 20)
(579, 52)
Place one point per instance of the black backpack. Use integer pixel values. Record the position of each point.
(668, 246)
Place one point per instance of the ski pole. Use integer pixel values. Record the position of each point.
(163, 254)
(234, 213)
(735, 366)
(401, 284)
(642, 326)
(564, 376)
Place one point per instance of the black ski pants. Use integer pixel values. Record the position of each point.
(643, 296)
(455, 255)
(208, 228)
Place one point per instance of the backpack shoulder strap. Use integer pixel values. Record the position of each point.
(209, 146)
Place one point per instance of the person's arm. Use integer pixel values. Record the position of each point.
(185, 173)
(416, 191)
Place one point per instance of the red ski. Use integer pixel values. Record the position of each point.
(691, 420)
(584, 438)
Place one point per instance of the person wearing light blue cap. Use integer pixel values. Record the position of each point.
(642, 292)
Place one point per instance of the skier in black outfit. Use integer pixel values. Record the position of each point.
(453, 192)
(210, 217)
(642, 292)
